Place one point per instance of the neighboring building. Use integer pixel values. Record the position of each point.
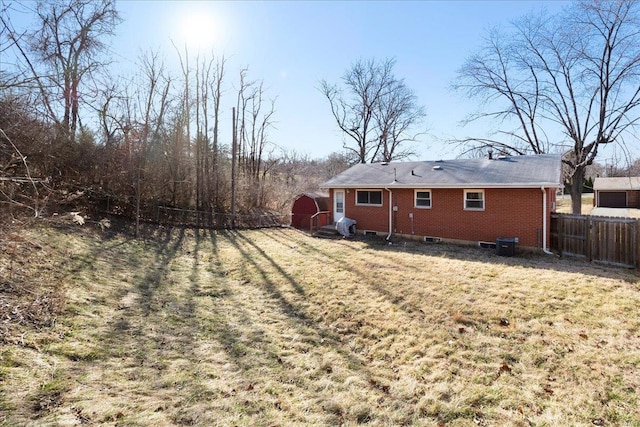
(306, 206)
(620, 192)
(618, 196)
(471, 200)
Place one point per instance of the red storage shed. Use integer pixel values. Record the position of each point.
(305, 206)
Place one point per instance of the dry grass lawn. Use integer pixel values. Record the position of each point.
(564, 203)
(275, 328)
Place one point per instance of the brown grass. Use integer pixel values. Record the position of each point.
(272, 327)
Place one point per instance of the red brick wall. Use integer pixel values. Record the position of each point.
(633, 199)
(369, 217)
(508, 213)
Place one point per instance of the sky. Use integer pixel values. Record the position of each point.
(293, 45)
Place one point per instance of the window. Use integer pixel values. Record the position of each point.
(372, 197)
(423, 199)
(474, 200)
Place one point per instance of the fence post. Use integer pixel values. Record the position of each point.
(590, 239)
(560, 235)
(637, 243)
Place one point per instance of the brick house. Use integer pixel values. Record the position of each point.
(470, 200)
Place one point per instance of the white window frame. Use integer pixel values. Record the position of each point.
(415, 198)
(369, 190)
(465, 200)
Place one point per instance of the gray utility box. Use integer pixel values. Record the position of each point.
(506, 246)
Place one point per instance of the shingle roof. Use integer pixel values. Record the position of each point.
(515, 172)
(316, 195)
(620, 183)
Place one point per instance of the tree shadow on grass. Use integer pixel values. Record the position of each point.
(237, 240)
(268, 288)
(295, 307)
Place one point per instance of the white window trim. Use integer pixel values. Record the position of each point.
(464, 200)
(415, 198)
(369, 190)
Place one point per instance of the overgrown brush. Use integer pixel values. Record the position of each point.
(29, 297)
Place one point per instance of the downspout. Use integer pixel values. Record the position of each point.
(388, 238)
(544, 222)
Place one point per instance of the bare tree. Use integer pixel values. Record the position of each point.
(8, 38)
(374, 109)
(242, 104)
(12, 160)
(55, 62)
(67, 43)
(396, 115)
(209, 77)
(184, 124)
(253, 121)
(156, 140)
(145, 120)
(260, 119)
(568, 83)
(215, 83)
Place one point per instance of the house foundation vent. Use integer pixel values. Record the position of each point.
(370, 233)
(429, 239)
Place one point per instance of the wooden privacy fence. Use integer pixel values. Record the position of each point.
(608, 240)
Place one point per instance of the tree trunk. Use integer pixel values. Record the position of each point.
(575, 189)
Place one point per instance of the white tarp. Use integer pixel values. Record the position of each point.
(346, 227)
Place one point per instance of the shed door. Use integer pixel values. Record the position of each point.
(338, 205)
(612, 199)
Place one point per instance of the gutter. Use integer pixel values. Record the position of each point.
(388, 238)
(544, 222)
(444, 186)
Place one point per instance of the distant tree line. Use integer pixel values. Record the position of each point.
(71, 133)
(74, 135)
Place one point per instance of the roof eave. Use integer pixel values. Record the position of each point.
(444, 186)
(616, 189)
